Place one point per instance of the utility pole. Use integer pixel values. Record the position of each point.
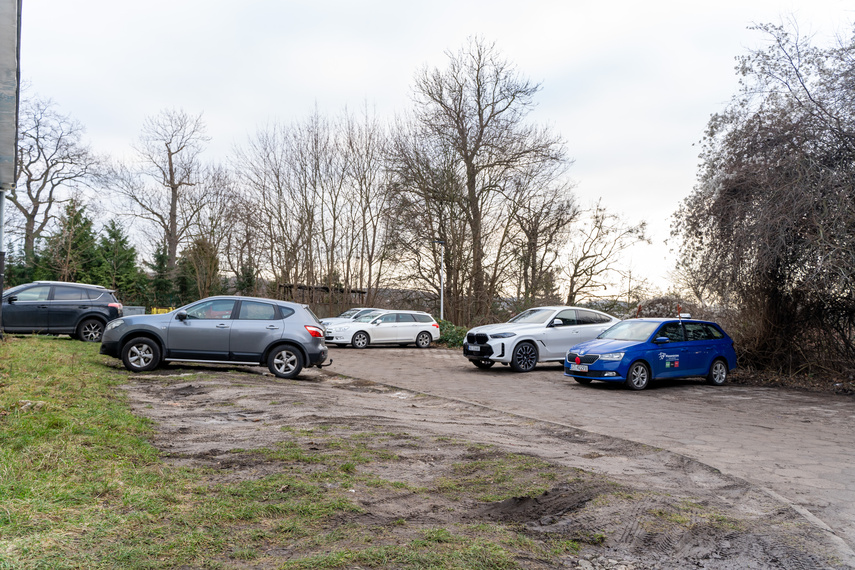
(10, 90)
(441, 278)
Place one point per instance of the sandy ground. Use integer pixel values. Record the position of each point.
(203, 412)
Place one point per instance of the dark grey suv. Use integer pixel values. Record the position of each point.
(56, 307)
(227, 330)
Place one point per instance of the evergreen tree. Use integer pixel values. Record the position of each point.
(70, 252)
(161, 292)
(117, 265)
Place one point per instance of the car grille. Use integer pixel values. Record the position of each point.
(587, 359)
(476, 338)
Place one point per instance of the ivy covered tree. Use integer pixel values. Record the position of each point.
(769, 230)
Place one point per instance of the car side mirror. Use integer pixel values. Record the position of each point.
(661, 340)
(181, 315)
(557, 323)
(12, 299)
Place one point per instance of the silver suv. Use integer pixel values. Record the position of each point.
(227, 330)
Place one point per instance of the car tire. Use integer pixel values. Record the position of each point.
(360, 340)
(582, 380)
(638, 376)
(141, 354)
(483, 364)
(90, 330)
(718, 373)
(285, 361)
(423, 339)
(524, 358)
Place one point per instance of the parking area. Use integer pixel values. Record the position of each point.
(796, 445)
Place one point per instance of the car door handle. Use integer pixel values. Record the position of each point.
(42, 306)
(222, 326)
(272, 327)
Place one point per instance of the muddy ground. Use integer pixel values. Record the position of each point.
(677, 513)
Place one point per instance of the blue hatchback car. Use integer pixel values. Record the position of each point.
(637, 351)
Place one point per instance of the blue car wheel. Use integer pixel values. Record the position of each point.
(638, 377)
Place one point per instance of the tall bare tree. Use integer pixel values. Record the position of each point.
(477, 107)
(163, 186)
(53, 161)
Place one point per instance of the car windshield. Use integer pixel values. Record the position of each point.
(631, 330)
(532, 316)
(365, 318)
(348, 313)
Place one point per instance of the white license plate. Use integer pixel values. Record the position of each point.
(579, 367)
(473, 348)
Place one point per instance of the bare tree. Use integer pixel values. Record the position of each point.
(477, 108)
(594, 255)
(52, 163)
(163, 186)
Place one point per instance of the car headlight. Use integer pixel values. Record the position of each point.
(113, 324)
(503, 335)
(611, 356)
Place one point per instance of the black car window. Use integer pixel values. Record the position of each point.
(256, 311)
(713, 332)
(406, 318)
(424, 318)
(214, 309)
(672, 331)
(568, 317)
(697, 331)
(62, 293)
(39, 293)
(590, 318)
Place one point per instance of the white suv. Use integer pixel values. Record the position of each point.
(389, 327)
(541, 334)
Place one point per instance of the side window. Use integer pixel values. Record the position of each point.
(424, 318)
(568, 317)
(406, 318)
(713, 332)
(391, 318)
(34, 293)
(673, 331)
(697, 331)
(215, 309)
(255, 311)
(590, 318)
(62, 293)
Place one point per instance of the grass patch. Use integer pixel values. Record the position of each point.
(82, 487)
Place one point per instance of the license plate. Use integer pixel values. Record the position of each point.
(473, 348)
(579, 367)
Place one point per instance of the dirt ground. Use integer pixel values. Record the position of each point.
(202, 413)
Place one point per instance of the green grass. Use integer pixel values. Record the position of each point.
(82, 487)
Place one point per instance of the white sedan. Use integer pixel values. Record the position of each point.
(541, 334)
(389, 327)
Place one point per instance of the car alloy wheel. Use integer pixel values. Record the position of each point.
(638, 377)
(90, 330)
(524, 358)
(718, 373)
(360, 340)
(423, 340)
(141, 354)
(285, 362)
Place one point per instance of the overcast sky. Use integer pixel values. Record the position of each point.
(629, 85)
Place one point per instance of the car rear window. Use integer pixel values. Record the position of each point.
(62, 293)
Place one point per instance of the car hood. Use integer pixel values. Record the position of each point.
(604, 345)
(509, 327)
(152, 320)
(334, 321)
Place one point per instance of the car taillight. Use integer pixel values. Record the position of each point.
(316, 332)
(435, 325)
(115, 305)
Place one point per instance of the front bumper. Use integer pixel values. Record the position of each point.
(606, 371)
(110, 348)
(497, 351)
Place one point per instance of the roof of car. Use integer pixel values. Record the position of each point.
(67, 283)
